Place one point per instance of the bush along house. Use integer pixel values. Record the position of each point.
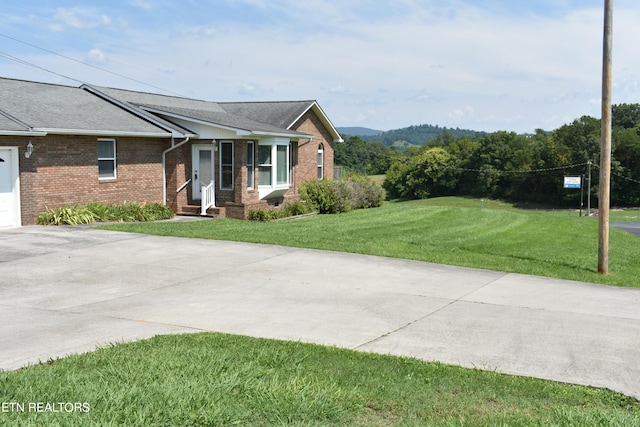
(65, 145)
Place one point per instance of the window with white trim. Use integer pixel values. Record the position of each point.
(226, 165)
(282, 165)
(250, 164)
(274, 166)
(264, 164)
(320, 161)
(106, 158)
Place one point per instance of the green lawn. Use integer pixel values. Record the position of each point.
(456, 231)
(212, 379)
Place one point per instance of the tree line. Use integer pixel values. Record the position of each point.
(505, 165)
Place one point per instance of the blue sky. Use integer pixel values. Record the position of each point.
(514, 65)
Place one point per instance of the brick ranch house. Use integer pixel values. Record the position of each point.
(64, 145)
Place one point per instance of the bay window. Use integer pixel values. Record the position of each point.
(274, 167)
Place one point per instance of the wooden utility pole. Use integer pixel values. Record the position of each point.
(605, 145)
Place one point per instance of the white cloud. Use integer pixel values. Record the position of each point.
(78, 18)
(142, 4)
(96, 55)
(206, 31)
(384, 64)
(461, 113)
(338, 89)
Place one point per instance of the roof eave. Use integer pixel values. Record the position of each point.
(92, 132)
(284, 135)
(323, 118)
(22, 133)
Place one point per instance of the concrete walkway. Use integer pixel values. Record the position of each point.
(69, 289)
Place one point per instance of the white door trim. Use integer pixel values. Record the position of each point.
(14, 182)
(195, 165)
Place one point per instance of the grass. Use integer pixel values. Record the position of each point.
(456, 231)
(212, 379)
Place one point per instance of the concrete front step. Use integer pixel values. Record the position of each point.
(195, 211)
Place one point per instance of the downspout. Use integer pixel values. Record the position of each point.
(164, 166)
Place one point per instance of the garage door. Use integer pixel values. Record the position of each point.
(9, 188)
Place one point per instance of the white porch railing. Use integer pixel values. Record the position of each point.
(183, 186)
(207, 198)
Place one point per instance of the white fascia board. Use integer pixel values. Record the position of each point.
(282, 135)
(85, 132)
(22, 133)
(323, 118)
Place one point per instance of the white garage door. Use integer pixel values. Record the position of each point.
(9, 189)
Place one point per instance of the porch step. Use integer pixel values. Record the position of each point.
(194, 210)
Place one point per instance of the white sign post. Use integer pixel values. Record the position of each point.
(575, 182)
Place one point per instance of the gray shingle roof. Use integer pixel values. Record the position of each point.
(256, 117)
(8, 124)
(110, 111)
(224, 119)
(144, 98)
(281, 114)
(51, 107)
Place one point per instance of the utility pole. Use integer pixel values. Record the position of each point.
(605, 146)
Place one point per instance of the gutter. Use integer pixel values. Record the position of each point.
(164, 166)
(86, 132)
(22, 133)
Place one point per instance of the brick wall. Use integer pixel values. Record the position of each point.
(63, 170)
(307, 167)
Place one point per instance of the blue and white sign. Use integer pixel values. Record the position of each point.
(572, 181)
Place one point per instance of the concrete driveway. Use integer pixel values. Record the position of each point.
(630, 227)
(69, 289)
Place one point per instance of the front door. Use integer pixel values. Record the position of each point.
(203, 168)
(9, 191)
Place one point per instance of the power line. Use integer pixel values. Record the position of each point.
(524, 171)
(13, 58)
(621, 176)
(520, 171)
(23, 62)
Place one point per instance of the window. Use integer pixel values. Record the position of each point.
(106, 158)
(282, 165)
(226, 165)
(264, 164)
(274, 167)
(320, 161)
(293, 148)
(250, 164)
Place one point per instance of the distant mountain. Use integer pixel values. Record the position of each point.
(358, 131)
(412, 135)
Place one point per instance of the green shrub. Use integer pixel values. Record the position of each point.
(327, 196)
(264, 215)
(70, 215)
(363, 192)
(102, 212)
(289, 209)
(298, 208)
(343, 195)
